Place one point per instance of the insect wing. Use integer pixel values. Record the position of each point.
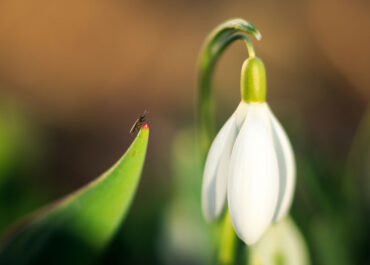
(134, 127)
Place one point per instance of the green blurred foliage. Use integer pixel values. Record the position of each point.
(330, 204)
(20, 164)
(185, 238)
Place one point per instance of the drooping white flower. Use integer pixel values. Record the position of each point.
(251, 163)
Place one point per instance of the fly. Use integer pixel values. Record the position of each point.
(138, 123)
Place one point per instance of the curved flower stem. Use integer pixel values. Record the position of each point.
(219, 39)
(215, 44)
(226, 252)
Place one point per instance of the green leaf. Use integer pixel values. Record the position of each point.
(75, 229)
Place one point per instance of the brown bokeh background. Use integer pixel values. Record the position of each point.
(86, 69)
(82, 71)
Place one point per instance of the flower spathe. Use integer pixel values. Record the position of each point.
(251, 163)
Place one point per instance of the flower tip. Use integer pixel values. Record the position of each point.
(252, 237)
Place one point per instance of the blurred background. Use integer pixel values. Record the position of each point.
(75, 75)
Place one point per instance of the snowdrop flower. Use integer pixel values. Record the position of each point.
(250, 163)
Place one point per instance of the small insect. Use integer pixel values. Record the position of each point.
(138, 123)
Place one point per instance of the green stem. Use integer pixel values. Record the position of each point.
(219, 39)
(226, 251)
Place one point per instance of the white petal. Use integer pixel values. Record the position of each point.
(216, 169)
(287, 170)
(253, 177)
(215, 172)
(240, 114)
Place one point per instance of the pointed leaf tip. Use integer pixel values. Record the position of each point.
(75, 229)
